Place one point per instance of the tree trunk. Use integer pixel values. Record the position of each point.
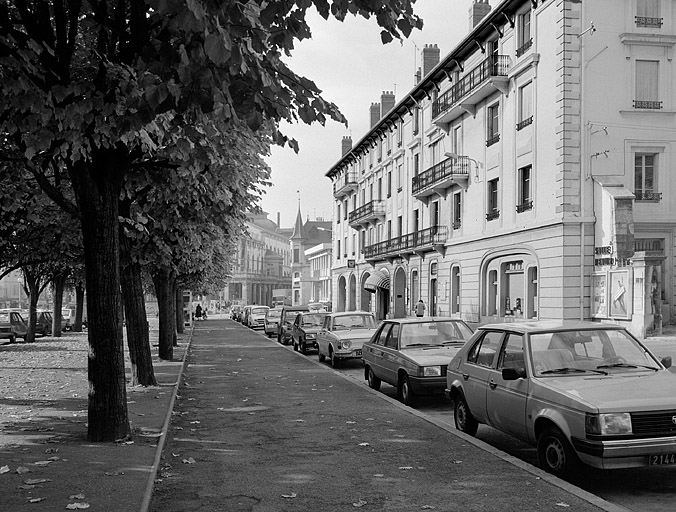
(163, 280)
(59, 281)
(138, 337)
(32, 288)
(97, 185)
(79, 307)
(180, 322)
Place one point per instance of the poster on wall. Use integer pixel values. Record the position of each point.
(599, 296)
(619, 294)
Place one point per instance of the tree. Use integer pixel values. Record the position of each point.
(95, 88)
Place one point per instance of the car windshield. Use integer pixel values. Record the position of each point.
(313, 320)
(4, 318)
(273, 314)
(594, 351)
(353, 322)
(259, 311)
(433, 333)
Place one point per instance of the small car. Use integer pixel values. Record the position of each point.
(286, 320)
(305, 328)
(271, 323)
(256, 317)
(343, 334)
(43, 323)
(581, 392)
(12, 326)
(412, 354)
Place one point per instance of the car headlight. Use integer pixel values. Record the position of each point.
(609, 424)
(432, 371)
(345, 344)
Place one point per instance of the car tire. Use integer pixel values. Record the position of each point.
(303, 347)
(335, 362)
(406, 393)
(373, 381)
(12, 339)
(555, 454)
(321, 357)
(464, 421)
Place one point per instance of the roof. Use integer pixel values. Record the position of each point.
(552, 325)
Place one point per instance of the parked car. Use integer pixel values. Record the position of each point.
(271, 324)
(286, 320)
(67, 319)
(580, 392)
(256, 318)
(12, 325)
(236, 313)
(246, 311)
(412, 354)
(305, 328)
(343, 335)
(43, 323)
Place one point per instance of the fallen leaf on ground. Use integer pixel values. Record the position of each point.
(77, 497)
(42, 462)
(427, 507)
(405, 468)
(36, 500)
(22, 470)
(34, 481)
(360, 503)
(77, 506)
(4, 469)
(562, 504)
(363, 444)
(189, 460)
(292, 495)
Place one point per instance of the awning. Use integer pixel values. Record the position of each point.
(377, 279)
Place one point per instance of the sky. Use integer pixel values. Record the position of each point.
(352, 67)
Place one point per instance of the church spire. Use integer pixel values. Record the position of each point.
(298, 228)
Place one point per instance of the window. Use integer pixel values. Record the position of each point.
(435, 152)
(457, 210)
(380, 150)
(525, 201)
(400, 173)
(400, 226)
(389, 184)
(389, 229)
(493, 210)
(645, 177)
(338, 249)
(380, 188)
(363, 240)
(345, 210)
(492, 123)
(525, 106)
(345, 247)
(338, 213)
(511, 355)
(455, 289)
(416, 120)
(524, 41)
(456, 140)
(483, 352)
(416, 164)
(434, 213)
(354, 243)
(296, 256)
(647, 80)
(400, 133)
(648, 14)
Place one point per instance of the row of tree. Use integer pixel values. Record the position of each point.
(146, 122)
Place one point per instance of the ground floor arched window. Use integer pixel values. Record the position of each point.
(510, 287)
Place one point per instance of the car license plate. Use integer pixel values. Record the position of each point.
(357, 352)
(661, 460)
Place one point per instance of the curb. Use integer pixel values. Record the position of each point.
(147, 497)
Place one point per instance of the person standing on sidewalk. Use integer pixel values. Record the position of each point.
(420, 308)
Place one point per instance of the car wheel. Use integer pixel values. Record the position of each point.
(303, 347)
(335, 362)
(555, 454)
(321, 357)
(12, 339)
(406, 394)
(374, 382)
(295, 345)
(464, 421)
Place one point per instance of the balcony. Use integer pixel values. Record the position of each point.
(418, 242)
(366, 214)
(345, 184)
(440, 177)
(485, 79)
(647, 22)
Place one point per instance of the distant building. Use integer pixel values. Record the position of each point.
(306, 235)
(12, 294)
(262, 264)
(320, 259)
(527, 175)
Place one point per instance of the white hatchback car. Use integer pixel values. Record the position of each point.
(581, 392)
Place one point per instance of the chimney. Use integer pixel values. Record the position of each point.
(375, 113)
(346, 145)
(278, 220)
(478, 11)
(430, 56)
(386, 102)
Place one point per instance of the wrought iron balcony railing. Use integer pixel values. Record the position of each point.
(367, 212)
(422, 240)
(652, 105)
(647, 22)
(648, 196)
(495, 65)
(493, 215)
(345, 184)
(441, 173)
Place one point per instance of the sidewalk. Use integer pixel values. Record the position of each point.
(46, 462)
(256, 422)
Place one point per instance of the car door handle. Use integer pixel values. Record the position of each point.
(493, 384)
(465, 376)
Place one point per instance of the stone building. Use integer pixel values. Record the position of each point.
(526, 175)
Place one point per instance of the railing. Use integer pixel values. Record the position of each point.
(524, 47)
(441, 171)
(376, 207)
(645, 22)
(523, 207)
(654, 105)
(493, 140)
(493, 215)
(495, 65)
(409, 242)
(648, 196)
(349, 180)
(521, 125)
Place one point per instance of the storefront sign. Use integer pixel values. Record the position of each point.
(603, 256)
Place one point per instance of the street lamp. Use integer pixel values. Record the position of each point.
(456, 156)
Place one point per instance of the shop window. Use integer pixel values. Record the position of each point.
(455, 289)
(492, 293)
(511, 288)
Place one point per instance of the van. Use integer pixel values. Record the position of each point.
(286, 322)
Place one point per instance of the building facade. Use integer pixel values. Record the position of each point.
(527, 174)
(320, 259)
(263, 262)
(306, 236)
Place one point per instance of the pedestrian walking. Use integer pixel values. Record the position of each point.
(198, 312)
(420, 308)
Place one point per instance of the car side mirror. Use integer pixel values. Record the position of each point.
(666, 361)
(513, 373)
